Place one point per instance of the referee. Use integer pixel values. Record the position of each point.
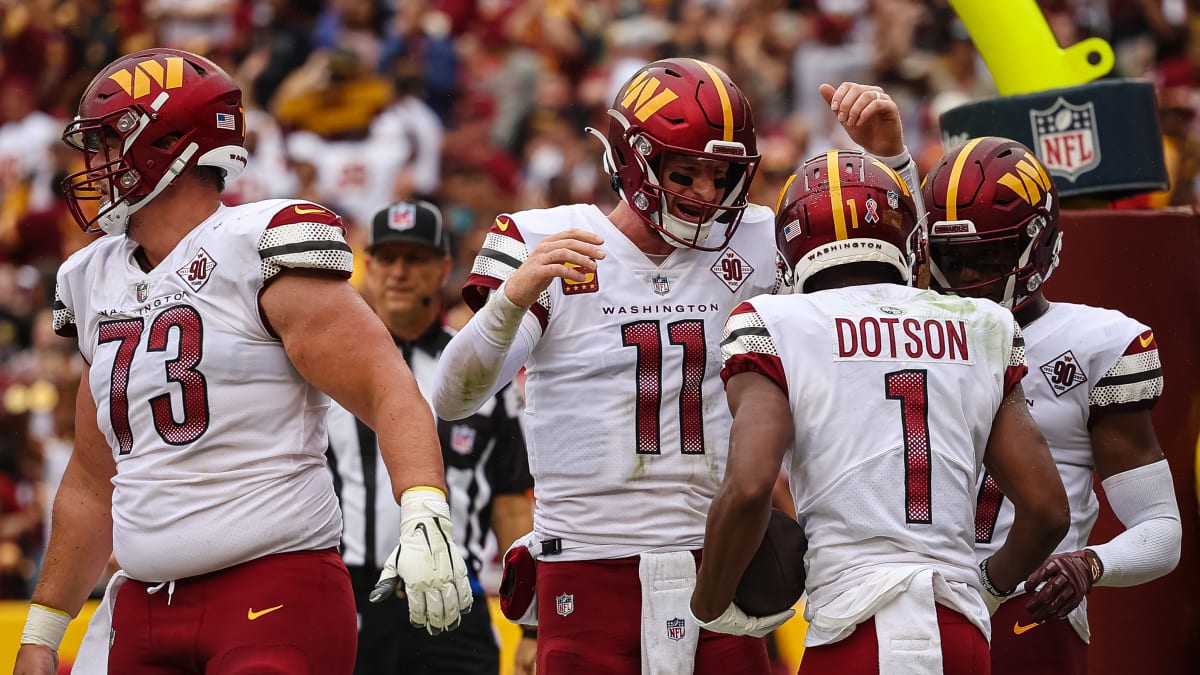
(487, 471)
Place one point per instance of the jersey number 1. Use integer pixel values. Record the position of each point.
(646, 337)
(910, 387)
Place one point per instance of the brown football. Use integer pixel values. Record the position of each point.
(774, 579)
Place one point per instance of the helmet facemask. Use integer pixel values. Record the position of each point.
(999, 265)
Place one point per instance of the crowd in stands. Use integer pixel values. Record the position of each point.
(478, 105)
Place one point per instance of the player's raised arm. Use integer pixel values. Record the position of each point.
(489, 351)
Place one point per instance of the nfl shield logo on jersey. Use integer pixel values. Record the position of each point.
(660, 284)
(1063, 373)
(1066, 139)
(462, 438)
(675, 629)
(142, 289)
(564, 604)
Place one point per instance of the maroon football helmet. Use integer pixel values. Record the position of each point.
(993, 213)
(145, 119)
(690, 108)
(845, 207)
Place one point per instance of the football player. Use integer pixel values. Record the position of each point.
(1094, 376)
(885, 401)
(211, 333)
(616, 317)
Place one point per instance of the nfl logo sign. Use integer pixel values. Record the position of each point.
(564, 604)
(462, 438)
(1066, 139)
(661, 284)
(402, 217)
(675, 629)
(143, 290)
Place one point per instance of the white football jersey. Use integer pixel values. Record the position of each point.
(625, 420)
(1081, 359)
(894, 390)
(219, 443)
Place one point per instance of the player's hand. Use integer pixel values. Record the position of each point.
(429, 563)
(869, 116)
(525, 661)
(1064, 580)
(733, 621)
(549, 260)
(36, 660)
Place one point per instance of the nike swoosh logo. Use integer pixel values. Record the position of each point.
(252, 615)
(421, 528)
(1146, 340)
(1018, 628)
(305, 212)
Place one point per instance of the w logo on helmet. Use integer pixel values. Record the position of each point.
(137, 82)
(1029, 180)
(642, 97)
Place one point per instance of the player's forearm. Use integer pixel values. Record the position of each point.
(512, 517)
(736, 523)
(408, 442)
(79, 548)
(483, 357)
(1144, 500)
(1031, 540)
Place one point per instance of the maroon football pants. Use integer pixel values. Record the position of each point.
(964, 650)
(286, 614)
(590, 623)
(1021, 646)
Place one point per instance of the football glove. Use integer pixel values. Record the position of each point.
(428, 563)
(736, 622)
(1065, 579)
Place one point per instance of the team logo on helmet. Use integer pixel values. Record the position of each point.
(645, 97)
(1066, 138)
(137, 81)
(1028, 180)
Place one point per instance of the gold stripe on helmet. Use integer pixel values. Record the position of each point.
(956, 176)
(833, 173)
(783, 191)
(723, 93)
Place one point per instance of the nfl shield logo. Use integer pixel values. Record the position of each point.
(143, 290)
(462, 438)
(402, 216)
(564, 604)
(675, 629)
(660, 284)
(1066, 139)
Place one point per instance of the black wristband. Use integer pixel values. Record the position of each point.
(529, 632)
(987, 581)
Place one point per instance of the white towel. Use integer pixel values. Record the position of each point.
(92, 658)
(669, 635)
(910, 640)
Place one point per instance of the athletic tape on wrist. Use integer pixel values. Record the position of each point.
(45, 626)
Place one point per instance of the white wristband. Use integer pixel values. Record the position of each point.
(897, 162)
(45, 626)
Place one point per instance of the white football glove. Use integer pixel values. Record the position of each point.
(736, 622)
(429, 563)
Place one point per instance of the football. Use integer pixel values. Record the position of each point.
(774, 579)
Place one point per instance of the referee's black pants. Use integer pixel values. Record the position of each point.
(389, 645)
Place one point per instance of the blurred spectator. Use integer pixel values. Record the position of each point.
(334, 95)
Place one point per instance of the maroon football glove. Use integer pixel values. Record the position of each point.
(1065, 579)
